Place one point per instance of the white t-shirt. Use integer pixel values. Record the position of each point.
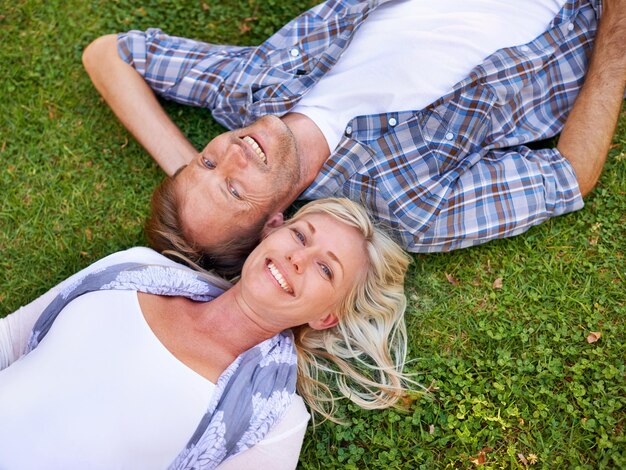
(408, 53)
(100, 390)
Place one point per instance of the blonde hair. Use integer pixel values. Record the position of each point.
(362, 357)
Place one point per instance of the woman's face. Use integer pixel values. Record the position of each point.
(301, 272)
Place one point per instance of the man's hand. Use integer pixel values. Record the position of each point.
(589, 128)
(132, 100)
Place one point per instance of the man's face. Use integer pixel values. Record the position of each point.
(239, 179)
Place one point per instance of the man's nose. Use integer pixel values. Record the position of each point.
(236, 157)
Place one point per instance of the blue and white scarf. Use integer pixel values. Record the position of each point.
(251, 394)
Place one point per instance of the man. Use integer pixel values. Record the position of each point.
(444, 167)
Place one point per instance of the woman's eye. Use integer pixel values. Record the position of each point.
(327, 272)
(301, 238)
(208, 163)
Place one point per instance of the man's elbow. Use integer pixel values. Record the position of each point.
(98, 55)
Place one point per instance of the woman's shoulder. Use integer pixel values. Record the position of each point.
(280, 448)
(293, 422)
(138, 254)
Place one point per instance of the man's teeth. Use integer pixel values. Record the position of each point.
(279, 277)
(250, 141)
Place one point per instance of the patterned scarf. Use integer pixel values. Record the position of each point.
(251, 394)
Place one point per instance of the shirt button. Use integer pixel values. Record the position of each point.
(525, 48)
(348, 130)
(570, 26)
(294, 52)
(392, 122)
(449, 136)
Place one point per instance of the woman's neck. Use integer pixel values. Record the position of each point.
(205, 336)
(228, 319)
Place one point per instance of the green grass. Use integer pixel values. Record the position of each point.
(512, 367)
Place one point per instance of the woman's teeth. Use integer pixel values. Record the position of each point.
(250, 141)
(279, 277)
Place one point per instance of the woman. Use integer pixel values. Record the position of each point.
(128, 356)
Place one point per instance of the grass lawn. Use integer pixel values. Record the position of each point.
(500, 331)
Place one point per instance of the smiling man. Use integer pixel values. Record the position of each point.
(420, 110)
(246, 175)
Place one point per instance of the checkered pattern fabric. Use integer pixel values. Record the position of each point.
(454, 174)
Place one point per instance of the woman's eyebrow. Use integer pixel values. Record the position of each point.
(332, 256)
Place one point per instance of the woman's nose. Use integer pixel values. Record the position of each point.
(298, 259)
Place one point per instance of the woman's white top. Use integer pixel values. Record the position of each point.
(408, 53)
(101, 391)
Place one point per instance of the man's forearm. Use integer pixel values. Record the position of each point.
(589, 128)
(134, 103)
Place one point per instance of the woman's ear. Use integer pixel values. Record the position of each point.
(328, 321)
(273, 222)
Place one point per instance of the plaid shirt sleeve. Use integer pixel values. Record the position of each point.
(179, 69)
(241, 84)
(504, 194)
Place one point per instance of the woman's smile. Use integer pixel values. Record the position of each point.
(279, 277)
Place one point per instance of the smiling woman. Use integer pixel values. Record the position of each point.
(356, 278)
(140, 362)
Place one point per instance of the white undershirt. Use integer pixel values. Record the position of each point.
(101, 391)
(408, 53)
(99, 376)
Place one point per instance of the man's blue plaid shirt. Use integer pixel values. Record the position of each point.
(454, 174)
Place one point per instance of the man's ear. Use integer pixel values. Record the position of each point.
(273, 222)
(324, 323)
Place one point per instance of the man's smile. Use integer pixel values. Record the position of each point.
(256, 148)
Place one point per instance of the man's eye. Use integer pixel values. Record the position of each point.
(299, 235)
(208, 163)
(328, 274)
(233, 191)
